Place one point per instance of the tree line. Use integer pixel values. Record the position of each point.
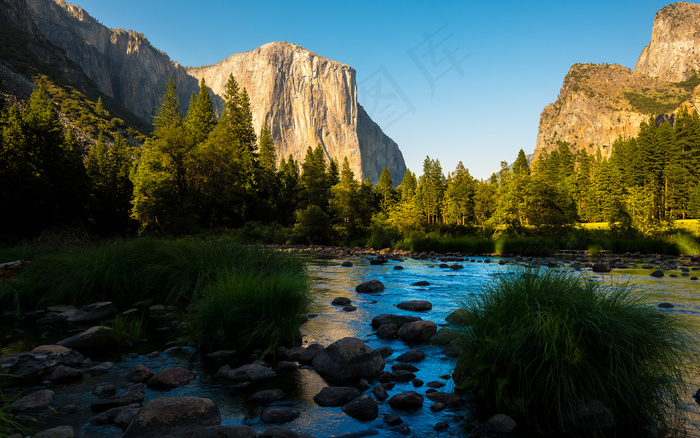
(199, 171)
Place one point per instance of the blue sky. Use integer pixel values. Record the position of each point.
(455, 80)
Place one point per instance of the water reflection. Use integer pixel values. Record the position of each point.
(331, 323)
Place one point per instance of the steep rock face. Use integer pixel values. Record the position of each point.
(123, 64)
(307, 100)
(674, 51)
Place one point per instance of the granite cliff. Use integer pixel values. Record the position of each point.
(599, 103)
(304, 98)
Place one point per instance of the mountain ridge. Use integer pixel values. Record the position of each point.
(127, 67)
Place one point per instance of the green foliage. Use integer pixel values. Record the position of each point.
(122, 329)
(8, 423)
(542, 341)
(537, 246)
(247, 310)
(312, 225)
(168, 271)
(654, 104)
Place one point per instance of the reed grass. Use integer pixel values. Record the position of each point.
(250, 310)
(542, 341)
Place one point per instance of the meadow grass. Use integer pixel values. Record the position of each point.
(541, 341)
(125, 271)
(249, 309)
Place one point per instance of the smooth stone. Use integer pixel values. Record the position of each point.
(348, 359)
(413, 355)
(346, 264)
(65, 374)
(380, 393)
(404, 366)
(170, 378)
(437, 407)
(310, 353)
(658, 273)
(104, 390)
(349, 308)
(370, 286)
(392, 419)
(335, 395)
(441, 426)
(402, 428)
(398, 267)
(402, 376)
(387, 331)
(420, 283)
(251, 372)
(35, 402)
(406, 400)
(363, 408)
(341, 301)
(279, 414)
(280, 432)
(133, 394)
(385, 351)
(173, 417)
(140, 373)
(666, 305)
(415, 305)
(100, 369)
(435, 384)
(417, 383)
(38, 363)
(108, 416)
(398, 320)
(125, 417)
(267, 395)
(501, 423)
(418, 331)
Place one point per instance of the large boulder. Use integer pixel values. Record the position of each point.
(173, 417)
(249, 372)
(347, 360)
(363, 408)
(279, 414)
(370, 287)
(418, 331)
(335, 395)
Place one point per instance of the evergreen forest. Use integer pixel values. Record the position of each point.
(201, 172)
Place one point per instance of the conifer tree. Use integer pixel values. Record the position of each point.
(200, 115)
(385, 191)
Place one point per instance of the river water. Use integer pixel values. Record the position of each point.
(330, 323)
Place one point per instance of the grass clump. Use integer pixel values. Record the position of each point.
(8, 422)
(248, 309)
(543, 341)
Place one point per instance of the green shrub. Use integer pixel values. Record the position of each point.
(526, 245)
(543, 340)
(250, 310)
(312, 225)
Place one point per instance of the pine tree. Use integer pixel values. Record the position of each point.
(521, 165)
(344, 202)
(200, 118)
(459, 196)
(385, 191)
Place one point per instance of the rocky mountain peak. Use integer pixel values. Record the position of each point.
(673, 53)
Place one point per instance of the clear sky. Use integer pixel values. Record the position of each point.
(455, 80)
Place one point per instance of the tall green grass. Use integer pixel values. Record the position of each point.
(542, 341)
(444, 244)
(167, 271)
(249, 310)
(8, 422)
